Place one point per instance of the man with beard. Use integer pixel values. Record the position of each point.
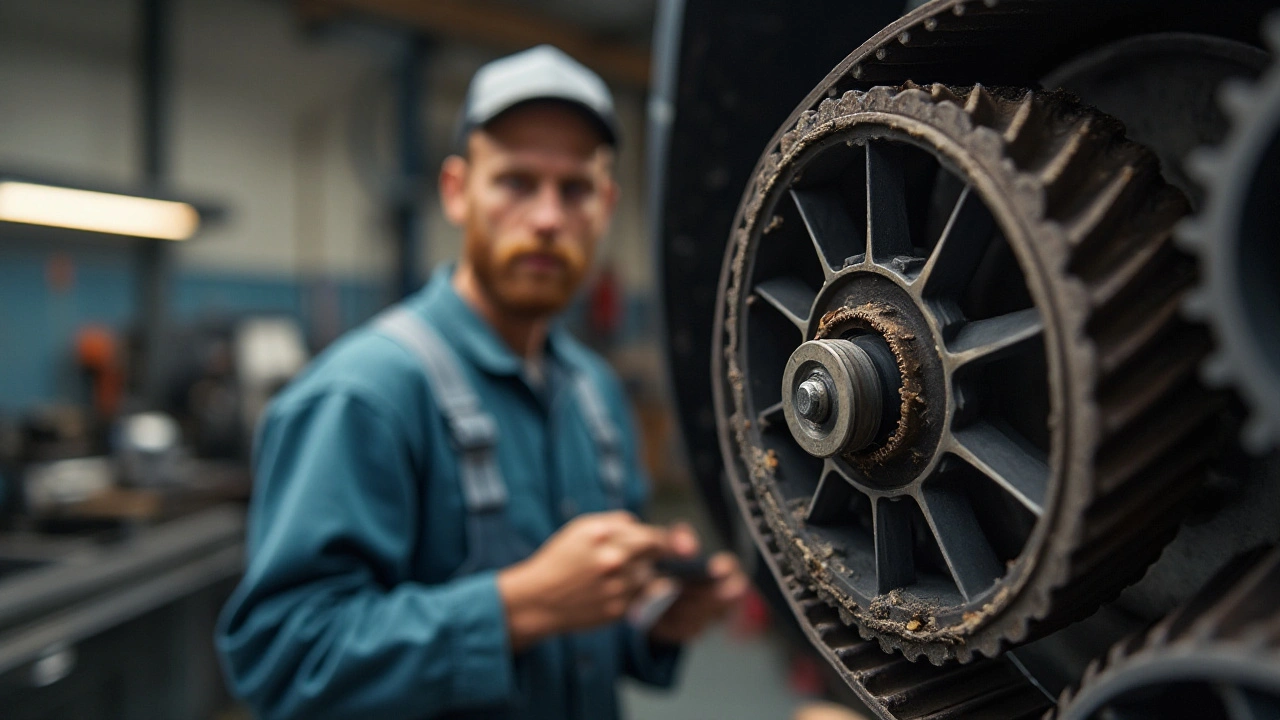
(444, 515)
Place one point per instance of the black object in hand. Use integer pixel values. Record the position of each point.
(689, 570)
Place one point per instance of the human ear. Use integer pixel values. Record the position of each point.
(453, 189)
(608, 159)
(611, 195)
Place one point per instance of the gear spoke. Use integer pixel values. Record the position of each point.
(895, 561)
(983, 341)
(888, 233)
(791, 297)
(832, 231)
(960, 247)
(831, 500)
(1016, 467)
(850, 473)
(969, 556)
(771, 416)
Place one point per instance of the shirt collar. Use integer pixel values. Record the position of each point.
(469, 334)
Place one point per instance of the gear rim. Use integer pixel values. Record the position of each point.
(1033, 606)
(951, 155)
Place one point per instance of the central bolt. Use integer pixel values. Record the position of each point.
(812, 401)
(837, 395)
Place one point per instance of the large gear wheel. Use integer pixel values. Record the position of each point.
(1237, 237)
(1216, 658)
(951, 377)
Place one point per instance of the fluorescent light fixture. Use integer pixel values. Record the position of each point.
(63, 207)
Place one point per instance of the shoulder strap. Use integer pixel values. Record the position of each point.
(473, 431)
(606, 435)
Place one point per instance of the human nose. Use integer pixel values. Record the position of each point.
(548, 209)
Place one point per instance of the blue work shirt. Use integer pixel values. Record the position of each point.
(349, 606)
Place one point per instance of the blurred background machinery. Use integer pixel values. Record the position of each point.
(978, 343)
(196, 197)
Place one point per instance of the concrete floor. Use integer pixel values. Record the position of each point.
(723, 676)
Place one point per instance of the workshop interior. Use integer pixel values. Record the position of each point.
(958, 321)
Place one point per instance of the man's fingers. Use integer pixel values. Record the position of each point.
(640, 573)
(625, 517)
(731, 583)
(661, 586)
(722, 565)
(732, 590)
(611, 559)
(638, 539)
(683, 539)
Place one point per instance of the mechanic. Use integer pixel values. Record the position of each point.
(444, 520)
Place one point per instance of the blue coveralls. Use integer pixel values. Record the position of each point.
(352, 604)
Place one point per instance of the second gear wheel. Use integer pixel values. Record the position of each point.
(1217, 658)
(1238, 239)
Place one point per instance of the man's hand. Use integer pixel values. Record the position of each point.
(584, 576)
(701, 603)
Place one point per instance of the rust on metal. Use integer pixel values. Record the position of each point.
(882, 319)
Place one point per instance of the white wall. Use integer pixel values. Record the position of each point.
(262, 119)
(258, 119)
(67, 97)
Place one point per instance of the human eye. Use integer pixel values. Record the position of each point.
(576, 190)
(517, 183)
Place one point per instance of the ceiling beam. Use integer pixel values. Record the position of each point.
(501, 27)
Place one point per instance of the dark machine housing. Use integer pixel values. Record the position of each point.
(974, 329)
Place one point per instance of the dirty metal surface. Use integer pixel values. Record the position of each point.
(1089, 222)
(1126, 408)
(732, 71)
(725, 74)
(888, 683)
(1216, 658)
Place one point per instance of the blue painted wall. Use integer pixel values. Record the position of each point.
(39, 317)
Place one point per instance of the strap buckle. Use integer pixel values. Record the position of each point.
(473, 431)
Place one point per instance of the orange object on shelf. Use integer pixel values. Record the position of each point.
(97, 350)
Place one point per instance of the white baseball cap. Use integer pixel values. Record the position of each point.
(539, 73)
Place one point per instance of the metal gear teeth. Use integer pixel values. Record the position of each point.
(892, 685)
(1215, 235)
(1229, 627)
(1258, 432)
(938, 25)
(1121, 340)
(1191, 234)
(1204, 165)
(1271, 32)
(1217, 370)
(1196, 304)
(1237, 99)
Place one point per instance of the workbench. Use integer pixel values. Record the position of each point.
(118, 627)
